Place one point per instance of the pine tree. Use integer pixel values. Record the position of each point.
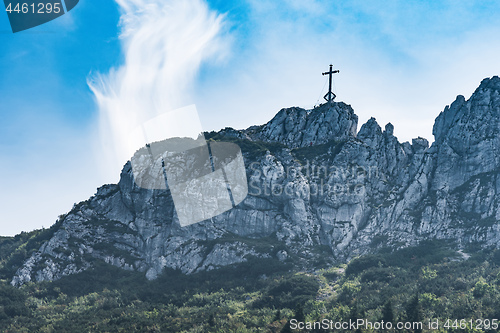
(277, 316)
(211, 320)
(414, 312)
(299, 313)
(388, 312)
(354, 315)
(286, 328)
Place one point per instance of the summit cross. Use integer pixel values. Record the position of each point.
(330, 96)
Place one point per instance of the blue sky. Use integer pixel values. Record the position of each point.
(400, 61)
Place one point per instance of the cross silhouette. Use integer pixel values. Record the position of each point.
(330, 96)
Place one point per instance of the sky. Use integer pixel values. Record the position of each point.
(70, 88)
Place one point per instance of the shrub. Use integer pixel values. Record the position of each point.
(360, 264)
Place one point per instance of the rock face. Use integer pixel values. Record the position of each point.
(296, 127)
(314, 184)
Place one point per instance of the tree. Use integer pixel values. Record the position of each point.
(286, 328)
(414, 312)
(277, 316)
(299, 313)
(356, 314)
(211, 320)
(388, 312)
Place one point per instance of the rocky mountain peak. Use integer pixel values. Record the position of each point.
(370, 129)
(492, 83)
(419, 144)
(389, 129)
(459, 120)
(447, 118)
(468, 135)
(297, 127)
(323, 188)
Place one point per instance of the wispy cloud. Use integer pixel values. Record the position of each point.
(164, 44)
(400, 61)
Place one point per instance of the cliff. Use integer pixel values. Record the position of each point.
(319, 192)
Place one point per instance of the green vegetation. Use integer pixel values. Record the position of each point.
(251, 149)
(15, 250)
(310, 153)
(413, 284)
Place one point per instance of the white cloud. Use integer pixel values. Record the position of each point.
(164, 43)
(400, 62)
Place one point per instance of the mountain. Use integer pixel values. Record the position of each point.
(319, 192)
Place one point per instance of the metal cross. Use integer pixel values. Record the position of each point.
(330, 96)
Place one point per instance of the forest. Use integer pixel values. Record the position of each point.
(460, 289)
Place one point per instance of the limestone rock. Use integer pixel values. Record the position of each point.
(326, 187)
